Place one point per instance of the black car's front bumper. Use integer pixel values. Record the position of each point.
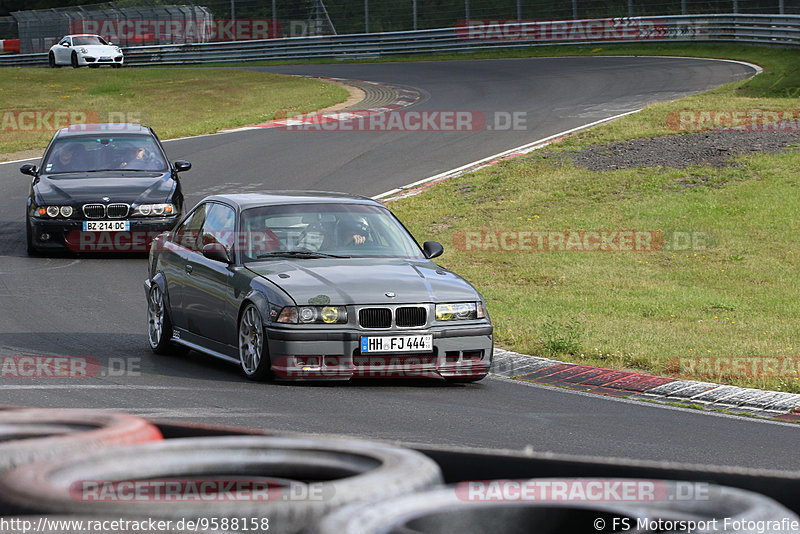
(60, 234)
(459, 352)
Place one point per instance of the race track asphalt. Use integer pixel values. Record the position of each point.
(95, 307)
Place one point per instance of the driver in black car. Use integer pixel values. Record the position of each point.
(71, 157)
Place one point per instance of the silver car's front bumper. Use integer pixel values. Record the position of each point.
(462, 352)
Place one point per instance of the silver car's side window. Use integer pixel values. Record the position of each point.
(219, 227)
(188, 233)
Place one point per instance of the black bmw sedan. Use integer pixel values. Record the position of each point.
(102, 188)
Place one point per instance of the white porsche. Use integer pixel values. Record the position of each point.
(85, 49)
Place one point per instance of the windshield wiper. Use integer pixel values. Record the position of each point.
(298, 254)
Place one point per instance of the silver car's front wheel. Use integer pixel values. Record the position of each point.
(159, 327)
(252, 355)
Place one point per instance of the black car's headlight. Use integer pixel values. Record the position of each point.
(55, 211)
(460, 311)
(153, 210)
(313, 315)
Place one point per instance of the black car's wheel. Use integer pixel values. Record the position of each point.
(51, 60)
(253, 355)
(31, 249)
(75, 63)
(159, 326)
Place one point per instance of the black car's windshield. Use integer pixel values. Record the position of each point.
(104, 153)
(88, 40)
(324, 230)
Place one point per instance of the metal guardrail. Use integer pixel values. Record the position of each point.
(773, 30)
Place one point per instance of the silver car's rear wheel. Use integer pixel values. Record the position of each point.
(252, 354)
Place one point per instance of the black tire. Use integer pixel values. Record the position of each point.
(116, 65)
(452, 510)
(253, 353)
(74, 61)
(33, 434)
(159, 325)
(51, 60)
(335, 472)
(30, 248)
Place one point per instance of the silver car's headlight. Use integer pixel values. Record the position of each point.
(154, 210)
(459, 311)
(313, 315)
(82, 50)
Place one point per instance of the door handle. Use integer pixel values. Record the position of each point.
(188, 268)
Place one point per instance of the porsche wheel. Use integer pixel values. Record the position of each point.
(74, 61)
(51, 60)
(253, 356)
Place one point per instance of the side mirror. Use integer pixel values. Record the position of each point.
(432, 249)
(65, 44)
(28, 169)
(216, 252)
(181, 166)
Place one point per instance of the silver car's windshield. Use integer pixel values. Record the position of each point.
(104, 153)
(324, 230)
(88, 40)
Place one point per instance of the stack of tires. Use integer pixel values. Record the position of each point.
(93, 465)
(279, 484)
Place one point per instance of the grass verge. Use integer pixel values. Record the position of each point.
(175, 102)
(732, 297)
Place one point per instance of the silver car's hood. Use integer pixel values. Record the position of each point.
(365, 281)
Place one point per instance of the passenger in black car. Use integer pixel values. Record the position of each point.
(136, 159)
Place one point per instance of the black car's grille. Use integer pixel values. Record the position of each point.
(117, 211)
(101, 211)
(94, 211)
(375, 317)
(410, 316)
